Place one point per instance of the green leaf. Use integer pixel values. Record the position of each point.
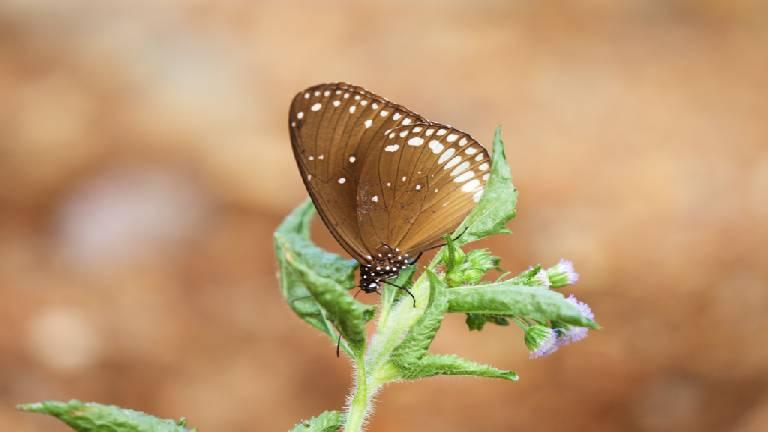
(328, 421)
(507, 299)
(476, 321)
(93, 417)
(411, 358)
(434, 365)
(315, 282)
(420, 336)
(497, 205)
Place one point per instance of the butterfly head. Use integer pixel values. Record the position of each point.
(384, 265)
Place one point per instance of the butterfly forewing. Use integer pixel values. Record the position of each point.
(332, 128)
(417, 183)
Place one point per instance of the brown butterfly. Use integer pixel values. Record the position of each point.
(387, 182)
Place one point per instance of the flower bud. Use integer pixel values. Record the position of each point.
(473, 267)
(562, 274)
(540, 340)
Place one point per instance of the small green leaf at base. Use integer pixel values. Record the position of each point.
(328, 421)
(93, 417)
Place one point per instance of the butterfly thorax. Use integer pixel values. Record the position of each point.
(385, 264)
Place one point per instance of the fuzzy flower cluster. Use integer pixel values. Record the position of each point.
(541, 340)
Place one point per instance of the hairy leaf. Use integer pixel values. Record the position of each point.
(328, 421)
(315, 282)
(93, 417)
(434, 365)
(507, 299)
(420, 335)
(497, 205)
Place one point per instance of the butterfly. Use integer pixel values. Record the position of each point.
(387, 182)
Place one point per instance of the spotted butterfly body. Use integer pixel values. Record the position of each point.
(387, 182)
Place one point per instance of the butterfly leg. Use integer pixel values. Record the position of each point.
(404, 289)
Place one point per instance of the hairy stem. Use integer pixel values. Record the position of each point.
(358, 405)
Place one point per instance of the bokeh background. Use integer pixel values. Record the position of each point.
(145, 162)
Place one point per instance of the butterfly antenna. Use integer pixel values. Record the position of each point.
(338, 346)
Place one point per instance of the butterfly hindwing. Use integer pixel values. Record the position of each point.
(417, 183)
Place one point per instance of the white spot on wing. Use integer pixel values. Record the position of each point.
(404, 178)
(316, 107)
(368, 123)
(327, 93)
(300, 115)
(463, 142)
(352, 109)
(363, 102)
(464, 177)
(317, 92)
(306, 95)
(311, 157)
(479, 157)
(321, 157)
(446, 155)
(436, 146)
(391, 148)
(451, 137)
(403, 133)
(342, 180)
(407, 121)
(375, 198)
(441, 132)
(486, 176)
(417, 129)
(336, 103)
(460, 169)
(396, 116)
(415, 141)
(384, 113)
(375, 105)
(352, 159)
(430, 132)
(453, 162)
(479, 194)
(484, 166)
(418, 187)
(471, 150)
(470, 186)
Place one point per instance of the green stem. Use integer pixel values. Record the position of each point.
(374, 369)
(357, 410)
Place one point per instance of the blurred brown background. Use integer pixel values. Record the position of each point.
(145, 162)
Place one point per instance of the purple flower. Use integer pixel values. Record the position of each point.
(562, 274)
(575, 334)
(542, 278)
(541, 341)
